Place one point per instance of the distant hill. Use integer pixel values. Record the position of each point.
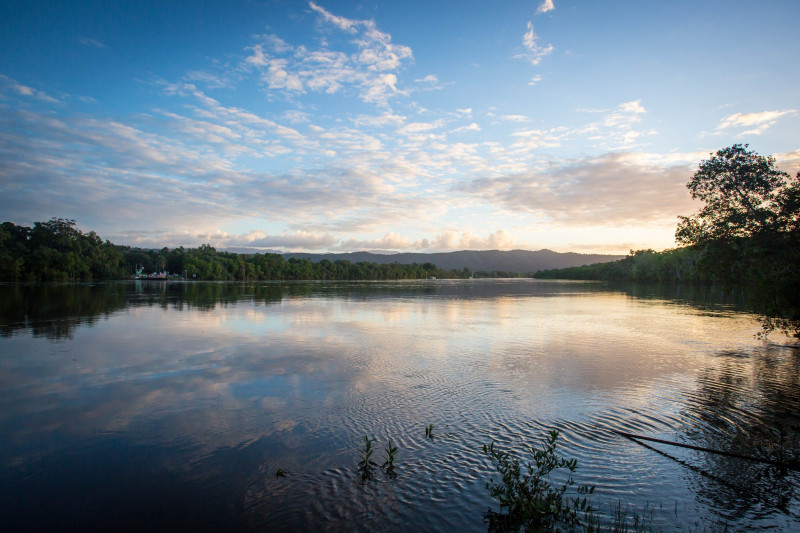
(487, 260)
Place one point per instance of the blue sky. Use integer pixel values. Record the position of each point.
(394, 126)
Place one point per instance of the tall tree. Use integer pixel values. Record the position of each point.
(748, 231)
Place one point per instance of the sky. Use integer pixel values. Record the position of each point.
(328, 126)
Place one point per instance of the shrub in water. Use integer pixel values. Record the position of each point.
(530, 502)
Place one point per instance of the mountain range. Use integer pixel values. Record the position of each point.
(523, 261)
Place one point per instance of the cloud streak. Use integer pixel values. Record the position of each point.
(762, 121)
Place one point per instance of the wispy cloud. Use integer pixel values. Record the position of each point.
(762, 121)
(430, 78)
(318, 141)
(342, 23)
(471, 127)
(515, 118)
(296, 240)
(25, 91)
(385, 119)
(92, 42)
(203, 160)
(416, 127)
(445, 241)
(369, 67)
(613, 189)
(535, 52)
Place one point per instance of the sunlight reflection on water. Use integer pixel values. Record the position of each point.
(175, 404)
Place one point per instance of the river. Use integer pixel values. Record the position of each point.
(169, 405)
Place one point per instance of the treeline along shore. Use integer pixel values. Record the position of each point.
(745, 237)
(57, 251)
(674, 265)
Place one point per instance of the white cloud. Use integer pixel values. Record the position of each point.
(108, 170)
(527, 140)
(762, 121)
(390, 241)
(342, 23)
(789, 161)
(386, 119)
(536, 79)
(545, 6)
(278, 78)
(535, 53)
(633, 107)
(455, 240)
(515, 118)
(296, 240)
(295, 116)
(472, 127)
(416, 127)
(368, 68)
(430, 78)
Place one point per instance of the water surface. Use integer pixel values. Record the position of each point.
(142, 405)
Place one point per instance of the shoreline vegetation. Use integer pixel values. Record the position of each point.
(746, 237)
(57, 251)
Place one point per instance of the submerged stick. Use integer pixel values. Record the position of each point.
(709, 450)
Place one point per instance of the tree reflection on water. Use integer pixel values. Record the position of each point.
(749, 404)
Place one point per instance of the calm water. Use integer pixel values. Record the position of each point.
(161, 405)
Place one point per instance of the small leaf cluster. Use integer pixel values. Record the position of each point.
(367, 466)
(529, 501)
(388, 465)
(429, 431)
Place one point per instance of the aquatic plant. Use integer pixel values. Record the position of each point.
(530, 501)
(388, 465)
(429, 431)
(366, 465)
(637, 522)
(280, 473)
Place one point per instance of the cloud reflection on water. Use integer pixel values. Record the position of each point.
(206, 377)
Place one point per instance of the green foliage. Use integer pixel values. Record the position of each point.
(280, 472)
(366, 466)
(429, 431)
(388, 465)
(675, 265)
(748, 231)
(57, 251)
(745, 236)
(530, 501)
(741, 192)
